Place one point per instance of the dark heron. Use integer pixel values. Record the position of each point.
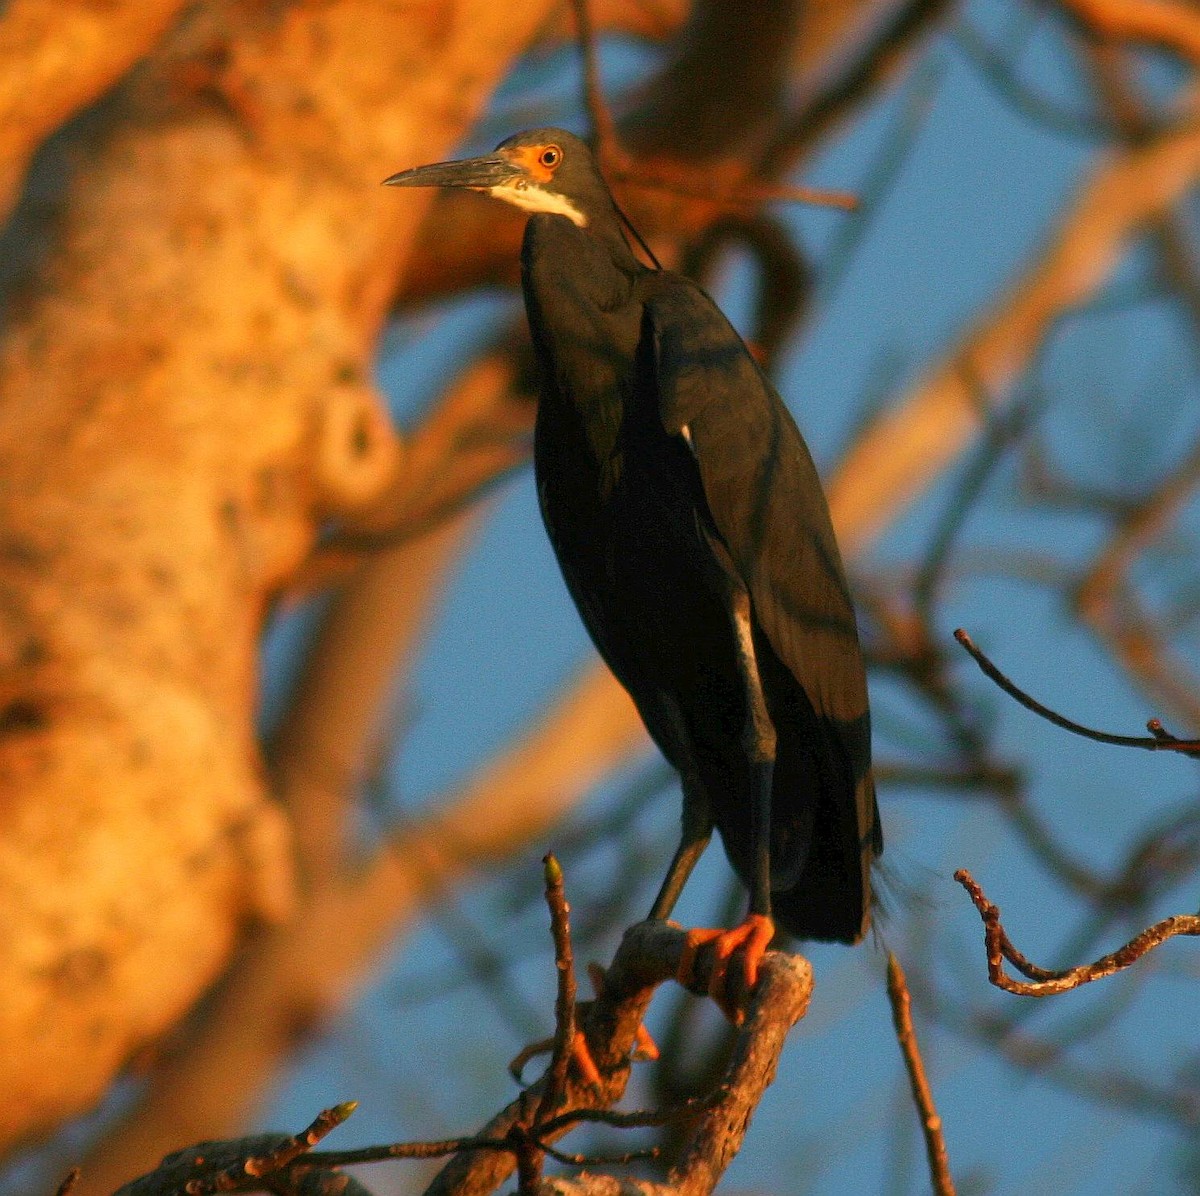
(693, 534)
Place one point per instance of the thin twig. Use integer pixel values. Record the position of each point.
(1002, 76)
(433, 1149)
(635, 1119)
(877, 184)
(1046, 982)
(564, 1004)
(600, 1160)
(510, 1144)
(275, 1160)
(1159, 739)
(931, 1123)
(1003, 430)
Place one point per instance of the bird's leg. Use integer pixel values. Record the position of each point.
(697, 830)
(754, 935)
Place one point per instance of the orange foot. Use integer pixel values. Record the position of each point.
(752, 938)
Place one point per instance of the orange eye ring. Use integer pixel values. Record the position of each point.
(550, 157)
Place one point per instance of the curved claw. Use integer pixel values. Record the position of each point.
(751, 939)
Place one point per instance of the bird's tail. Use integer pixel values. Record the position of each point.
(825, 891)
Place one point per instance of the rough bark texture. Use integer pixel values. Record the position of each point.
(162, 474)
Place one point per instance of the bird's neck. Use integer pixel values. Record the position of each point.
(592, 265)
(611, 234)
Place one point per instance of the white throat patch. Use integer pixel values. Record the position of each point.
(532, 198)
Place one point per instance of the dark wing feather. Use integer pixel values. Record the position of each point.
(767, 504)
(579, 569)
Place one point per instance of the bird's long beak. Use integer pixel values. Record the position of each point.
(480, 174)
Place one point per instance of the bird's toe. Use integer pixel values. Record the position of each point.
(749, 941)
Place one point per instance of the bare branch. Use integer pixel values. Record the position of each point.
(931, 1123)
(648, 956)
(1159, 739)
(251, 1164)
(1045, 982)
(564, 1003)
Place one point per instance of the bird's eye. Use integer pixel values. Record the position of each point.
(550, 157)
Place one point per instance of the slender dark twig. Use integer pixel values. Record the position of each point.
(440, 1148)
(1045, 982)
(434, 1149)
(931, 1122)
(635, 1119)
(1159, 739)
(1003, 431)
(600, 1160)
(876, 186)
(1002, 76)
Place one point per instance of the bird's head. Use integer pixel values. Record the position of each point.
(540, 170)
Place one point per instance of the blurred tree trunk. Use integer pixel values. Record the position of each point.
(185, 393)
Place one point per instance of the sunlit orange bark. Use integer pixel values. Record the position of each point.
(183, 393)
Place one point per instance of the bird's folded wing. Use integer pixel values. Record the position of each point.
(766, 502)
